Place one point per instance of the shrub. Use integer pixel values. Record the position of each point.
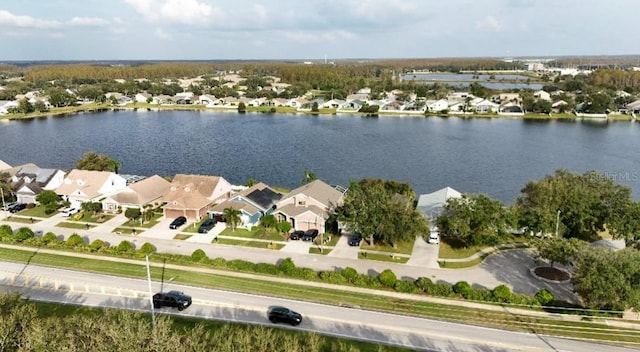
(23, 234)
(441, 290)
(266, 268)
(404, 286)
(219, 262)
(75, 240)
(502, 293)
(132, 213)
(387, 278)
(50, 209)
(147, 248)
(49, 237)
(423, 283)
(305, 274)
(463, 289)
(544, 296)
(332, 277)
(349, 273)
(5, 231)
(240, 265)
(125, 247)
(97, 245)
(199, 255)
(287, 266)
(480, 294)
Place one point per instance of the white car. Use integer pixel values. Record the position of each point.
(434, 237)
(69, 211)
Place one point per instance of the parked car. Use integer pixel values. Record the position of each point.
(8, 206)
(17, 207)
(175, 299)
(177, 222)
(67, 212)
(310, 235)
(206, 225)
(434, 237)
(354, 240)
(296, 235)
(284, 315)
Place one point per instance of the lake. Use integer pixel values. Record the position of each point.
(492, 156)
(501, 82)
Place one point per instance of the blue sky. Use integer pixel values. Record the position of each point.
(311, 29)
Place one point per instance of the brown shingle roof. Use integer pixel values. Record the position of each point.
(143, 192)
(319, 191)
(88, 182)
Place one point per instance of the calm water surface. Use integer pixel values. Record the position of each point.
(492, 156)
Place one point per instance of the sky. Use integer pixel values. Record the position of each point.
(314, 29)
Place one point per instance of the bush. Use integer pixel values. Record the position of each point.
(423, 283)
(481, 294)
(23, 234)
(125, 247)
(440, 290)
(199, 255)
(305, 274)
(463, 289)
(147, 248)
(75, 240)
(332, 277)
(49, 237)
(404, 286)
(132, 213)
(387, 278)
(349, 273)
(219, 262)
(97, 245)
(50, 209)
(502, 293)
(287, 266)
(266, 268)
(544, 296)
(240, 265)
(5, 231)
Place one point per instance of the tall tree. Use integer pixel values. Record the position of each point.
(232, 216)
(308, 176)
(47, 198)
(97, 162)
(558, 250)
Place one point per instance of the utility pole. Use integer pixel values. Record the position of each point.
(3, 205)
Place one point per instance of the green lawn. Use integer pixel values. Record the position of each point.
(98, 218)
(147, 225)
(453, 250)
(256, 232)
(37, 211)
(181, 237)
(461, 265)
(193, 227)
(22, 220)
(382, 257)
(316, 250)
(248, 243)
(127, 231)
(402, 248)
(74, 225)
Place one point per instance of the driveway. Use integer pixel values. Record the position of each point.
(209, 236)
(343, 250)
(297, 246)
(424, 254)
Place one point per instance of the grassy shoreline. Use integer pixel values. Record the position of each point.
(96, 107)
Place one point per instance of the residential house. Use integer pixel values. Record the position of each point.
(333, 103)
(82, 186)
(431, 205)
(279, 102)
(256, 102)
(510, 108)
(30, 181)
(142, 97)
(14, 170)
(541, 94)
(309, 206)
(6, 106)
(392, 106)
(191, 195)
(365, 90)
(253, 203)
(506, 97)
(4, 166)
(437, 105)
(353, 105)
(559, 105)
(206, 99)
(137, 195)
(357, 97)
(485, 106)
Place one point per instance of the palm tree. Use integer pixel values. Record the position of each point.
(232, 216)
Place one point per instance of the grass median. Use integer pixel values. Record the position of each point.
(502, 319)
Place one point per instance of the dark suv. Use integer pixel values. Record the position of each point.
(284, 315)
(17, 207)
(310, 235)
(177, 222)
(206, 225)
(355, 239)
(296, 235)
(175, 299)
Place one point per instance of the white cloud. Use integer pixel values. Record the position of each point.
(9, 19)
(88, 21)
(160, 33)
(180, 11)
(489, 23)
(314, 37)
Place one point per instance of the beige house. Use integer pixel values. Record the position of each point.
(191, 195)
(138, 195)
(82, 186)
(309, 206)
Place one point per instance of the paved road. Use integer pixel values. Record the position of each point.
(509, 267)
(61, 285)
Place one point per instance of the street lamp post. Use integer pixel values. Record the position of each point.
(557, 222)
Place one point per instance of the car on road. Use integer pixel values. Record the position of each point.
(67, 212)
(17, 207)
(434, 237)
(206, 225)
(354, 240)
(296, 235)
(284, 315)
(177, 222)
(310, 235)
(175, 299)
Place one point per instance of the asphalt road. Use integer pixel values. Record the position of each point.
(66, 286)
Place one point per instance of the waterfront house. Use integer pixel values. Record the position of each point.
(357, 97)
(29, 181)
(253, 203)
(191, 195)
(437, 105)
(541, 94)
(510, 108)
(147, 192)
(485, 106)
(431, 205)
(6, 106)
(206, 99)
(333, 103)
(80, 186)
(142, 97)
(309, 206)
(351, 106)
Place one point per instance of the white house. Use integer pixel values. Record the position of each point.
(30, 181)
(142, 97)
(541, 94)
(437, 105)
(5, 106)
(82, 186)
(486, 106)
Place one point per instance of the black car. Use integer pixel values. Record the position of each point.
(177, 222)
(284, 315)
(310, 235)
(296, 235)
(355, 239)
(175, 299)
(17, 207)
(206, 225)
